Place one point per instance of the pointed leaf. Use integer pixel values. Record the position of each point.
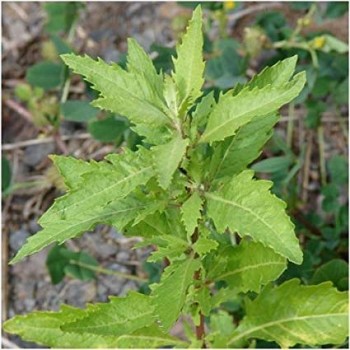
(276, 75)
(125, 93)
(96, 200)
(152, 225)
(64, 165)
(221, 328)
(173, 286)
(235, 153)
(189, 64)
(150, 338)
(167, 158)
(119, 316)
(310, 315)
(44, 327)
(200, 115)
(204, 245)
(246, 206)
(232, 112)
(191, 213)
(248, 266)
(140, 63)
(168, 246)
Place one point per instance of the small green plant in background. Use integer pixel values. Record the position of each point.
(188, 191)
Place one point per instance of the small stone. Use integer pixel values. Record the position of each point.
(114, 234)
(118, 267)
(34, 155)
(79, 293)
(29, 304)
(106, 250)
(33, 226)
(130, 285)
(17, 239)
(111, 55)
(123, 256)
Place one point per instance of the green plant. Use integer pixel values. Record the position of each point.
(187, 191)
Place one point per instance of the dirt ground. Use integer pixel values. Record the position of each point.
(103, 29)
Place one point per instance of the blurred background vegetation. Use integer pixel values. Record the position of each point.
(46, 109)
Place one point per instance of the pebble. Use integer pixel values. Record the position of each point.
(18, 238)
(35, 154)
(78, 293)
(123, 256)
(33, 226)
(105, 250)
(111, 55)
(126, 287)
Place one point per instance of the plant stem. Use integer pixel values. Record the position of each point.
(100, 269)
(200, 332)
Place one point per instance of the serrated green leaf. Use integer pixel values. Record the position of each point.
(150, 337)
(235, 153)
(246, 206)
(204, 300)
(166, 159)
(122, 92)
(248, 266)
(232, 112)
(158, 224)
(96, 200)
(221, 327)
(191, 213)
(275, 75)
(310, 315)
(168, 246)
(118, 317)
(173, 286)
(139, 63)
(64, 165)
(200, 115)
(204, 245)
(152, 225)
(171, 94)
(44, 327)
(189, 64)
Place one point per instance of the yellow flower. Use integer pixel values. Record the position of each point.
(318, 42)
(229, 5)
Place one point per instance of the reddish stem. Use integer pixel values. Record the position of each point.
(200, 333)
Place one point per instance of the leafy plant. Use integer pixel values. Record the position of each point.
(187, 191)
(62, 261)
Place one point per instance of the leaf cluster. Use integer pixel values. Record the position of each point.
(189, 192)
